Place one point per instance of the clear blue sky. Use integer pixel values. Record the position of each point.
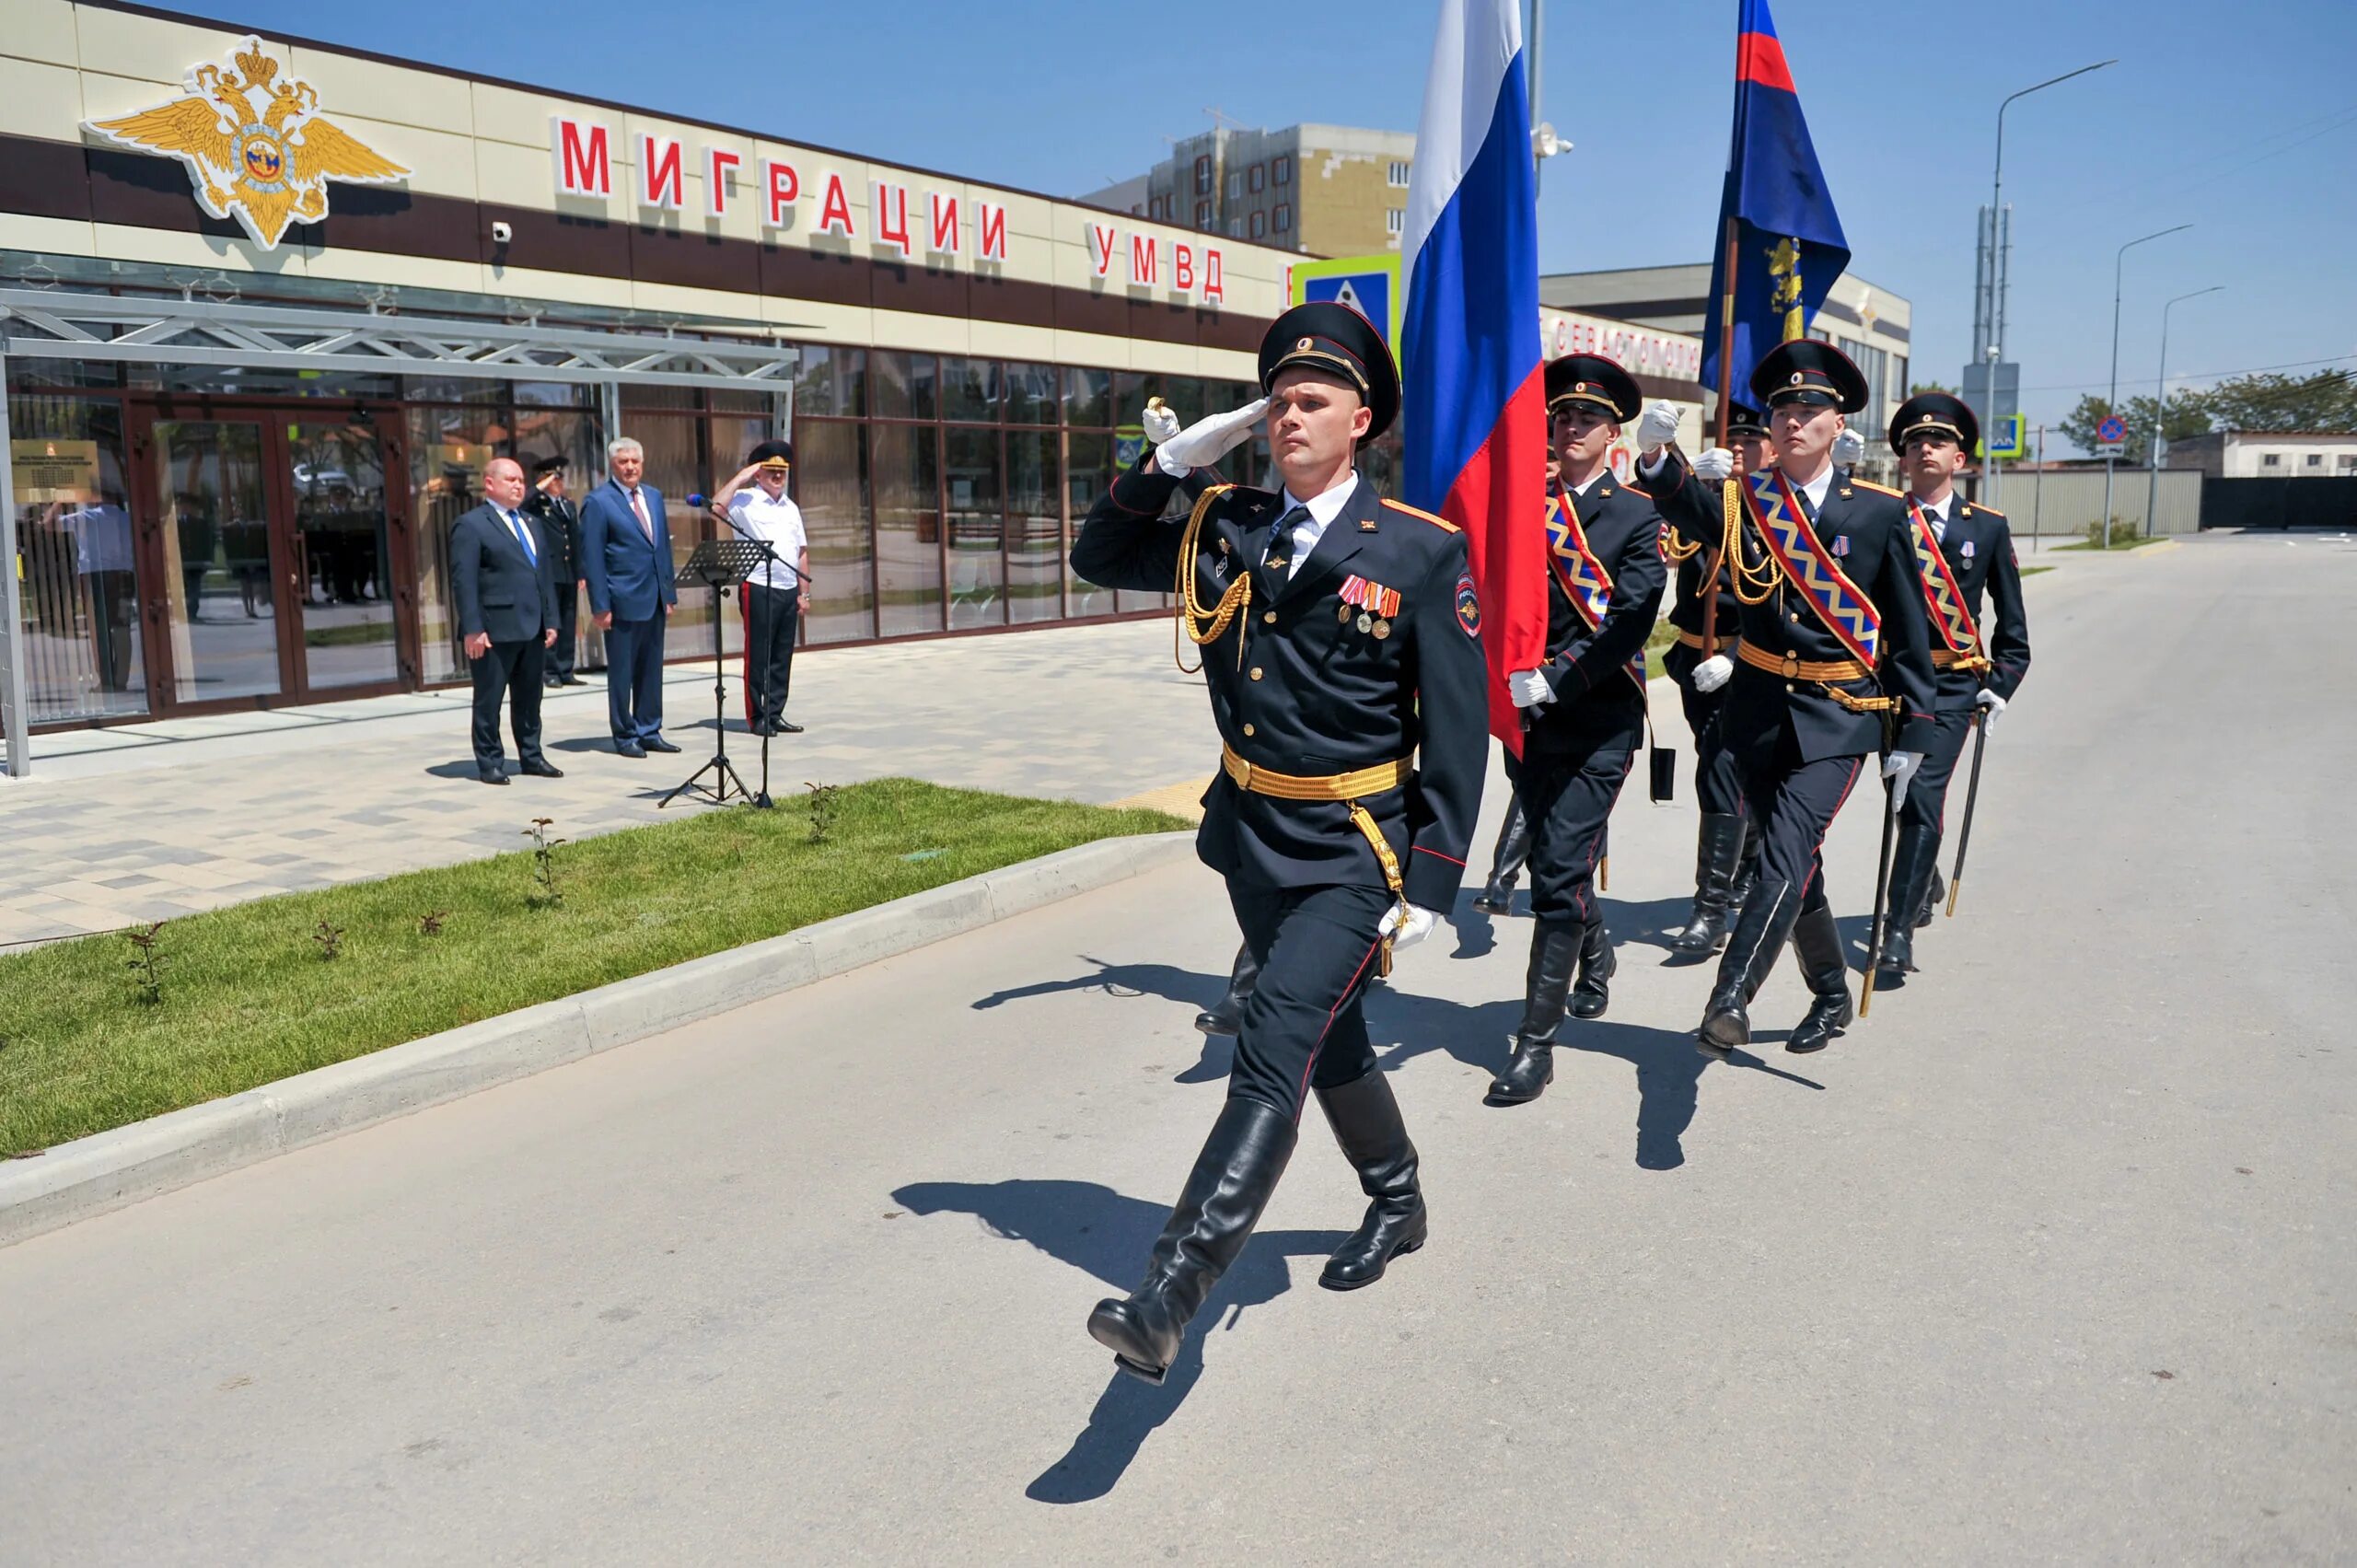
(2241, 119)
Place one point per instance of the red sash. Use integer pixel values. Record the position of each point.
(1582, 576)
(1806, 563)
(1942, 596)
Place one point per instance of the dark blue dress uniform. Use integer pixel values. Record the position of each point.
(1976, 545)
(1802, 716)
(1577, 749)
(1349, 690)
(1723, 844)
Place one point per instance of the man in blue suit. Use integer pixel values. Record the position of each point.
(626, 557)
(507, 615)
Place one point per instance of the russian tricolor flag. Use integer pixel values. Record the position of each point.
(1474, 399)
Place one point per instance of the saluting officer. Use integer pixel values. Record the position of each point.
(1727, 853)
(1583, 709)
(1828, 601)
(1341, 638)
(1961, 550)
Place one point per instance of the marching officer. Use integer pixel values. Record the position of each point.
(1832, 665)
(1583, 709)
(1340, 637)
(1962, 549)
(1726, 854)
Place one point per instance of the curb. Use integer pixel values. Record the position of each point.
(126, 1165)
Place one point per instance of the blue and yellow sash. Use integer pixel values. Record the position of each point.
(1846, 612)
(1942, 596)
(1582, 576)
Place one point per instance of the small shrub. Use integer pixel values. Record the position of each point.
(146, 965)
(545, 894)
(431, 925)
(331, 941)
(2122, 531)
(822, 809)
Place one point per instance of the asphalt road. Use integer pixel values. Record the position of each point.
(2049, 1260)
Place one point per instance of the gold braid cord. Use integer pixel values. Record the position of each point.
(1203, 624)
(1753, 585)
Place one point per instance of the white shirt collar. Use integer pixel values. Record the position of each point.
(1601, 474)
(1324, 507)
(1817, 489)
(1938, 511)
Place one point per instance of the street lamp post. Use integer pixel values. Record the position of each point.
(1997, 261)
(2160, 406)
(2111, 400)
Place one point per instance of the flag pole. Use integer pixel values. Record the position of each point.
(1726, 396)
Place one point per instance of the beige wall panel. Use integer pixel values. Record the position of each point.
(118, 43)
(934, 334)
(193, 250)
(55, 236)
(510, 114)
(39, 100)
(1027, 215)
(816, 322)
(1092, 348)
(1004, 339)
(409, 272)
(512, 176)
(669, 298)
(40, 30)
(395, 94)
(440, 164)
(1231, 365)
(572, 288)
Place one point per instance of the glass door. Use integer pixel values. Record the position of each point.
(344, 625)
(222, 578)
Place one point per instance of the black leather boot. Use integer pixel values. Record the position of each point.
(1935, 893)
(1751, 952)
(1597, 968)
(1226, 1016)
(1505, 866)
(1224, 1197)
(1912, 866)
(1716, 848)
(1554, 950)
(1816, 943)
(1747, 868)
(1367, 1123)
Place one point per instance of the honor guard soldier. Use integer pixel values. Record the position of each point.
(1832, 666)
(1340, 646)
(1726, 852)
(1962, 549)
(1583, 709)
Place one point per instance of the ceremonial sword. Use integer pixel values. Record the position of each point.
(1882, 894)
(1971, 798)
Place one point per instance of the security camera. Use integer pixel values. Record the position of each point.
(501, 233)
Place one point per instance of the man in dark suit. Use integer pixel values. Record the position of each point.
(1583, 707)
(626, 561)
(507, 615)
(559, 529)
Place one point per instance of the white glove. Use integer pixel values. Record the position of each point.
(1408, 933)
(1160, 423)
(1712, 672)
(1529, 688)
(1985, 697)
(1848, 447)
(1208, 440)
(1713, 464)
(1898, 767)
(1657, 426)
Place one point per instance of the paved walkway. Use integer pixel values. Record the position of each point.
(2046, 1261)
(151, 821)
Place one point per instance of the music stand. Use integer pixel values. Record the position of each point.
(716, 563)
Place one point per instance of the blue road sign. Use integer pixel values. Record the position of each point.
(1367, 293)
(2113, 429)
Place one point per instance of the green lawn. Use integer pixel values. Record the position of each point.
(2139, 542)
(247, 997)
(1662, 636)
(2034, 571)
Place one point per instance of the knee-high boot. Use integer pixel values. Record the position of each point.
(1505, 866)
(1226, 1016)
(1759, 937)
(1746, 866)
(1365, 1118)
(1597, 965)
(1816, 943)
(1716, 849)
(1224, 1194)
(1912, 866)
(1554, 952)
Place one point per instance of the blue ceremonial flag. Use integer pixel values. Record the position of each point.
(1787, 246)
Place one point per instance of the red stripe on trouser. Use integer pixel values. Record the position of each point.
(1301, 1094)
(1595, 849)
(1816, 855)
(745, 618)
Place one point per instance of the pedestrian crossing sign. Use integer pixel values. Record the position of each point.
(1368, 285)
(2007, 440)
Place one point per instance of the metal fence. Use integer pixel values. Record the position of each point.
(2055, 504)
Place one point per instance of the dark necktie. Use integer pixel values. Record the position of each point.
(1280, 554)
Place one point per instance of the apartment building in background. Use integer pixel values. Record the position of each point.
(1322, 190)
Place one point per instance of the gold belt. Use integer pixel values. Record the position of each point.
(1694, 640)
(1825, 672)
(1947, 658)
(1348, 788)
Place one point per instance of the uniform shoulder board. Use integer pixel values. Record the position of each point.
(1878, 489)
(1419, 512)
(1982, 509)
(1635, 490)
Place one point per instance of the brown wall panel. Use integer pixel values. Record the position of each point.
(1084, 310)
(693, 260)
(904, 285)
(1012, 300)
(139, 192)
(554, 242)
(46, 179)
(823, 277)
(384, 219)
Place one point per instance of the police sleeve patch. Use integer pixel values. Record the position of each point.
(1468, 606)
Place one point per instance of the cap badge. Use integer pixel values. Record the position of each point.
(1796, 379)
(1304, 345)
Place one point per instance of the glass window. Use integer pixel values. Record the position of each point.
(1087, 396)
(1203, 175)
(680, 399)
(971, 388)
(828, 380)
(905, 477)
(448, 448)
(1088, 473)
(758, 400)
(1132, 388)
(1284, 218)
(550, 394)
(1260, 175)
(1281, 170)
(901, 386)
(1399, 175)
(1202, 215)
(1035, 528)
(84, 656)
(219, 599)
(976, 529)
(1030, 394)
(1235, 183)
(830, 486)
(1394, 221)
(677, 462)
(1259, 226)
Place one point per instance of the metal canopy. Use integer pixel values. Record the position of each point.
(44, 324)
(61, 324)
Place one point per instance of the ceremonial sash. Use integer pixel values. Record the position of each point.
(1950, 619)
(1845, 610)
(1583, 577)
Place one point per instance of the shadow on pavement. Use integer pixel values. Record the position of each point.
(1106, 1235)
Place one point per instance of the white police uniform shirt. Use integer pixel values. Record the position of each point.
(779, 522)
(1323, 509)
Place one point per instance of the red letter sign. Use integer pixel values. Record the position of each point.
(1142, 253)
(1182, 267)
(583, 166)
(1100, 248)
(945, 240)
(989, 240)
(658, 171)
(719, 163)
(785, 190)
(834, 208)
(889, 206)
(1214, 279)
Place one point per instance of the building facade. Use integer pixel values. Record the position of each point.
(1320, 189)
(268, 307)
(2267, 453)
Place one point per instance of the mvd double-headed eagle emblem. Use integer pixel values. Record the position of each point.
(254, 145)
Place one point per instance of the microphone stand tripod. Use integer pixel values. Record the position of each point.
(770, 558)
